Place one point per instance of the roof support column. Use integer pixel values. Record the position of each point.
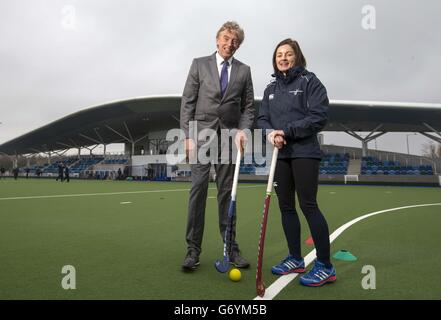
(98, 142)
(102, 140)
(128, 139)
(74, 145)
(364, 141)
(121, 135)
(15, 161)
(60, 153)
(91, 149)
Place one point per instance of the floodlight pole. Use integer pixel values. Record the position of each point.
(407, 139)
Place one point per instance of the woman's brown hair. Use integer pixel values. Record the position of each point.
(299, 57)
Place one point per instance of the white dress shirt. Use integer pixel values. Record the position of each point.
(219, 63)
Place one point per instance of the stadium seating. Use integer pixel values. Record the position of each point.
(334, 164)
(374, 166)
(84, 163)
(247, 168)
(53, 168)
(115, 161)
(330, 164)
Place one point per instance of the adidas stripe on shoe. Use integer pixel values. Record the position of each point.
(318, 276)
(289, 265)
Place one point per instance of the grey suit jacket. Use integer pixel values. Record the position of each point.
(202, 100)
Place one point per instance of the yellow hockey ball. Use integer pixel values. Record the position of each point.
(235, 274)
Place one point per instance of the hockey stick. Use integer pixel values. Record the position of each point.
(224, 265)
(260, 286)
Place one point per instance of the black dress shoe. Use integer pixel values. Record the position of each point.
(238, 261)
(191, 261)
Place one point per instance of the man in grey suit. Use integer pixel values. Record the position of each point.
(218, 95)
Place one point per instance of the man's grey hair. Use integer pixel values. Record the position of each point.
(232, 26)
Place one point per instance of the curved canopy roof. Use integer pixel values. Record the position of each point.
(133, 119)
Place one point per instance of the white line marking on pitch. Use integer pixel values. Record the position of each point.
(109, 193)
(283, 281)
(125, 202)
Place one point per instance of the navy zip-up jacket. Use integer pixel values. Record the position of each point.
(297, 104)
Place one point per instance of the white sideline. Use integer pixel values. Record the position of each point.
(109, 193)
(283, 281)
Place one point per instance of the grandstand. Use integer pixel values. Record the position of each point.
(141, 124)
(372, 166)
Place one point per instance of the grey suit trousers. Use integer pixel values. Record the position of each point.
(198, 199)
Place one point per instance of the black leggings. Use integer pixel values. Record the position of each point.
(301, 176)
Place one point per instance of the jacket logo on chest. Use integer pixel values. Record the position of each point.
(296, 92)
(271, 96)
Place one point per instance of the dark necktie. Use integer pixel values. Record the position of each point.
(224, 77)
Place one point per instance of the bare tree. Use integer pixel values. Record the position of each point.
(432, 150)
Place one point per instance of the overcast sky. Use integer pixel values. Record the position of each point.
(58, 57)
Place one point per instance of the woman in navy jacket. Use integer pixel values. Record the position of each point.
(294, 109)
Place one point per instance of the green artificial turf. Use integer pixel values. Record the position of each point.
(134, 250)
